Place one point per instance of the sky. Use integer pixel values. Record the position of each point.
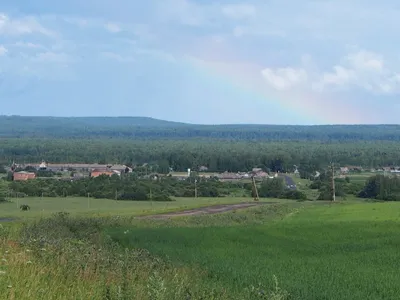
(203, 61)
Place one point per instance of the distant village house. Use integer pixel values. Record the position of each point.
(22, 176)
(97, 173)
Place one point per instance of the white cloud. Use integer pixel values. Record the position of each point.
(21, 26)
(112, 27)
(28, 45)
(361, 69)
(3, 50)
(285, 78)
(239, 11)
(117, 57)
(52, 57)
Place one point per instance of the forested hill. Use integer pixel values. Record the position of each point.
(149, 128)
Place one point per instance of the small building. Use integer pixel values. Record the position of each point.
(121, 168)
(229, 176)
(261, 174)
(23, 175)
(97, 173)
(43, 166)
(203, 169)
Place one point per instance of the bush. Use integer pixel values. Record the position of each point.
(137, 196)
(294, 194)
(161, 198)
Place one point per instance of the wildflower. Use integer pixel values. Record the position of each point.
(28, 262)
(2, 272)
(6, 251)
(42, 249)
(27, 250)
(4, 260)
(9, 286)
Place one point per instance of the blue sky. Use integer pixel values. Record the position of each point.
(297, 62)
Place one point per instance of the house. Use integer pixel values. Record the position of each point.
(43, 166)
(261, 174)
(228, 176)
(21, 176)
(57, 167)
(97, 173)
(121, 168)
(203, 169)
(344, 170)
(354, 168)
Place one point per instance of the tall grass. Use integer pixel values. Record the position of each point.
(64, 257)
(338, 251)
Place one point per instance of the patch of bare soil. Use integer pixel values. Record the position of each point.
(214, 209)
(7, 219)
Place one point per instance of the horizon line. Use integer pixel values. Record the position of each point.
(197, 124)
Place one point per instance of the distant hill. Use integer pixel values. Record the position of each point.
(47, 122)
(150, 128)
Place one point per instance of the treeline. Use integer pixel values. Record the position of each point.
(386, 188)
(378, 187)
(128, 187)
(343, 186)
(152, 129)
(218, 156)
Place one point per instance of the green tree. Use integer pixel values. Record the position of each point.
(273, 188)
(3, 190)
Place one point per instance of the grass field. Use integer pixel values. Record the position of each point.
(83, 206)
(339, 251)
(316, 250)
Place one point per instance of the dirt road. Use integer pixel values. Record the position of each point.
(214, 209)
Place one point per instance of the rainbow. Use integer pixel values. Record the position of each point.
(306, 108)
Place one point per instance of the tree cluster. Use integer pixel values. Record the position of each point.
(127, 187)
(276, 188)
(380, 187)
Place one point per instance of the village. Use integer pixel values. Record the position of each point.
(74, 171)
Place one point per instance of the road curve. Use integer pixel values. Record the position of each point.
(214, 209)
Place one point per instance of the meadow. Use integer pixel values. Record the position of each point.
(80, 248)
(328, 251)
(46, 206)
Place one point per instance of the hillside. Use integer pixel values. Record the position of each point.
(150, 128)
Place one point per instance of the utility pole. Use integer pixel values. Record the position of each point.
(254, 189)
(151, 199)
(333, 182)
(195, 188)
(88, 200)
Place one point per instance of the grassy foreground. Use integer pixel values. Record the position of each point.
(313, 251)
(45, 207)
(322, 252)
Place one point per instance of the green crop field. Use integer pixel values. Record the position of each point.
(103, 207)
(339, 251)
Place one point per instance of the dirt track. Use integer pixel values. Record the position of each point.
(7, 219)
(214, 209)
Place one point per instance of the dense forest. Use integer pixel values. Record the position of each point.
(150, 129)
(165, 145)
(218, 156)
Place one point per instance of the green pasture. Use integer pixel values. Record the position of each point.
(329, 251)
(104, 207)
